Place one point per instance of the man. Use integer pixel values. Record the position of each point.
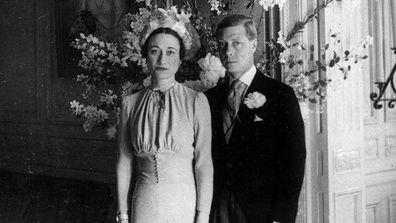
(259, 147)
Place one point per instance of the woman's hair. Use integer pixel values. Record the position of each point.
(164, 30)
(235, 20)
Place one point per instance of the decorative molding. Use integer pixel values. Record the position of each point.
(372, 114)
(22, 143)
(347, 206)
(390, 146)
(392, 208)
(346, 161)
(371, 148)
(373, 212)
(58, 93)
(75, 146)
(98, 176)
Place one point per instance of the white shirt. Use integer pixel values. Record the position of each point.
(247, 77)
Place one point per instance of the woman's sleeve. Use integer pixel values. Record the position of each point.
(202, 153)
(124, 163)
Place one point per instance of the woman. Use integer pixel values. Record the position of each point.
(165, 143)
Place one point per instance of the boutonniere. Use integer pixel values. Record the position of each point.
(254, 100)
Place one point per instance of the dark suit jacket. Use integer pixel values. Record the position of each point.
(263, 163)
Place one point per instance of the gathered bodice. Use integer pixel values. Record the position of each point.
(162, 122)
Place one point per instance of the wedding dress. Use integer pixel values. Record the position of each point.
(170, 135)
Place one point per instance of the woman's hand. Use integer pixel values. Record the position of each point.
(201, 217)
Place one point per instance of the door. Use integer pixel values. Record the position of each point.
(380, 124)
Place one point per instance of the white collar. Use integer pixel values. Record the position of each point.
(247, 77)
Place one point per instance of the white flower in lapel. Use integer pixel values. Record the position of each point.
(255, 100)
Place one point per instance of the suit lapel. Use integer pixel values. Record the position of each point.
(247, 115)
(244, 113)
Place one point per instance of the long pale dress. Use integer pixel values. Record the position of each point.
(170, 137)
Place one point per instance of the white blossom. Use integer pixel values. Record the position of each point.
(284, 56)
(111, 131)
(282, 40)
(214, 6)
(255, 100)
(76, 107)
(108, 97)
(82, 77)
(212, 68)
(147, 81)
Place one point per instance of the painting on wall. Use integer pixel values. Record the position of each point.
(101, 18)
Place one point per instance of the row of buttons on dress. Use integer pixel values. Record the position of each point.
(156, 168)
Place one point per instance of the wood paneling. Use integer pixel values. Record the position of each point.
(38, 133)
(373, 213)
(381, 199)
(392, 208)
(347, 208)
(27, 198)
(18, 89)
(380, 125)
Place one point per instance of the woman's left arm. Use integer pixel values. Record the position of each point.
(203, 157)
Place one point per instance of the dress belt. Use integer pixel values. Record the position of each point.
(165, 168)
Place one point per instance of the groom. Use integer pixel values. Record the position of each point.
(259, 144)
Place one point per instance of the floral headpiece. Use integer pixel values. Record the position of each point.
(178, 22)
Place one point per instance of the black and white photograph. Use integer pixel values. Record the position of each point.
(197, 111)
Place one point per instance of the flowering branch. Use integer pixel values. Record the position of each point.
(300, 25)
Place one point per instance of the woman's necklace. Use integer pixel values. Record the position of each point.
(159, 88)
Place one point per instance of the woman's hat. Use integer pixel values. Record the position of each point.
(178, 22)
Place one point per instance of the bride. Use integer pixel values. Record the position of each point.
(165, 139)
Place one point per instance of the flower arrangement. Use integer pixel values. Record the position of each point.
(115, 69)
(112, 70)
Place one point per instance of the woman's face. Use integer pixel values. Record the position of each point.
(163, 56)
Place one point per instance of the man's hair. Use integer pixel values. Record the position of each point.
(235, 20)
(164, 30)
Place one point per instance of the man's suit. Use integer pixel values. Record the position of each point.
(263, 162)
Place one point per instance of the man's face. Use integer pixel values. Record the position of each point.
(236, 50)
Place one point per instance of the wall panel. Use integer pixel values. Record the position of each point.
(347, 207)
(373, 213)
(38, 134)
(18, 88)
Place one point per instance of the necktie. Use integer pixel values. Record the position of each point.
(234, 98)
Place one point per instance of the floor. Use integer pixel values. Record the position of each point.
(40, 199)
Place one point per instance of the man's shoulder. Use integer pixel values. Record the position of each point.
(270, 84)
